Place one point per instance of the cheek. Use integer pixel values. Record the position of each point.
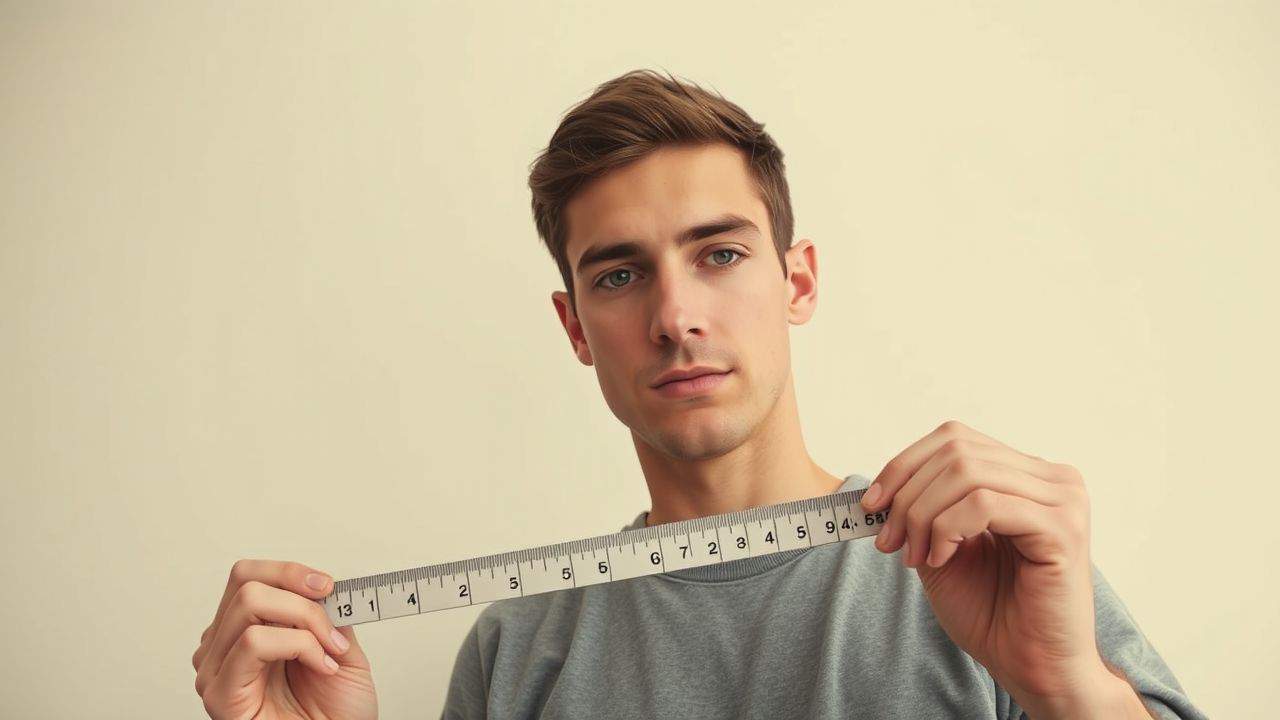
(613, 351)
(768, 347)
(605, 339)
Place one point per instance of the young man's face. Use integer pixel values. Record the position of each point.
(720, 300)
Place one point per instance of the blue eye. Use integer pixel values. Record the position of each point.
(725, 250)
(603, 286)
(609, 288)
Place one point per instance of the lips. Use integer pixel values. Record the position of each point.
(691, 377)
(687, 374)
(700, 385)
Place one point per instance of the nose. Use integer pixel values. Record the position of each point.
(678, 308)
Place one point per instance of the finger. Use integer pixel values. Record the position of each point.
(901, 495)
(202, 648)
(355, 656)
(257, 603)
(902, 466)
(959, 481)
(284, 574)
(259, 645)
(923, 498)
(1037, 531)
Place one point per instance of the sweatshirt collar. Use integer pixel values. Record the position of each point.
(744, 567)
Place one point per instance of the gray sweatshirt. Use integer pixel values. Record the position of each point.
(834, 631)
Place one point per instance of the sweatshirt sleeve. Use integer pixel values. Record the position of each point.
(1125, 648)
(468, 691)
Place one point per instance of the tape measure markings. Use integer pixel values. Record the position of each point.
(372, 598)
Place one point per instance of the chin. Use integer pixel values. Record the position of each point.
(696, 421)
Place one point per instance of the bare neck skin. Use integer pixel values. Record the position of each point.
(771, 466)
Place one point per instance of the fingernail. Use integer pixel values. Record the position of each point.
(906, 553)
(316, 581)
(330, 663)
(872, 494)
(339, 640)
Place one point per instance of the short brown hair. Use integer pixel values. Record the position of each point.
(630, 116)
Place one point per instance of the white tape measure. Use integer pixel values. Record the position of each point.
(653, 550)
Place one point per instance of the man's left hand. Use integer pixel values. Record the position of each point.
(1000, 542)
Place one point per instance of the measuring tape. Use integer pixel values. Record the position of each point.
(652, 550)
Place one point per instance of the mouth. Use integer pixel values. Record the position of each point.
(699, 385)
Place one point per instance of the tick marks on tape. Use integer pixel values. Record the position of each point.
(602, 559)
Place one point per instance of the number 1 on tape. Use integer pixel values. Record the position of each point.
(653, 550)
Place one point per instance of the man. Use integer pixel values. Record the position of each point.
(667, 212)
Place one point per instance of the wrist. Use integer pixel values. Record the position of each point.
(1101, 695)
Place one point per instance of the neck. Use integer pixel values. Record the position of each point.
(770, 466)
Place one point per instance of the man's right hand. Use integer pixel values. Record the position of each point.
(265, 653)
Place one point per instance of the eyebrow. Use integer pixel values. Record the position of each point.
(728, 222)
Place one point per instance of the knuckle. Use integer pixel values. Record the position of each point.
(319, 618)
(249, 594)
(950, 427)
(964, 466)
(253, 638)
(894, 464)
(963, 476)
(1079, 494)
(985, 499)
(202, 683)
(1071, 474)
(239, 571)
(1077, 526)
(915, 519)
(955, 447)
(295, 569)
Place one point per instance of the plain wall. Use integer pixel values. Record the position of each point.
(270, 287)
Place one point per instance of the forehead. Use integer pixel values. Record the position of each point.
(662, 193)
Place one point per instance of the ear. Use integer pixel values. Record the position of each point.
(572, 327)
(802, 281)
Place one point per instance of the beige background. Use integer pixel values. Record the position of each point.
(270, 287)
